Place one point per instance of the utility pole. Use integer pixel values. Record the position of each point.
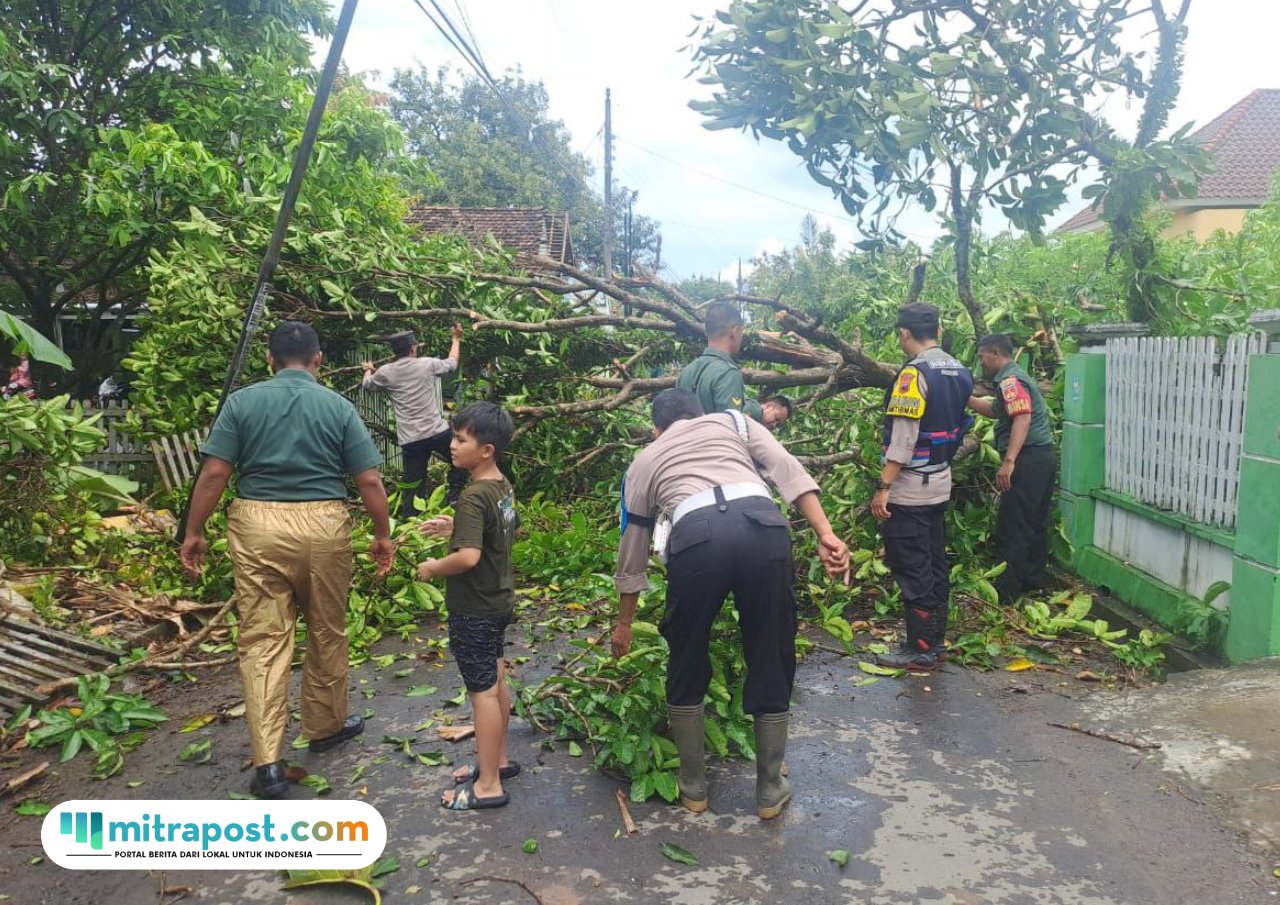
(628, 239)
(607, 242)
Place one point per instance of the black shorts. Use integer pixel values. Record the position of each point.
(477, 646)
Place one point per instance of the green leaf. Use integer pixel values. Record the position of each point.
(875, 669)
(33, 808)
(420, 691)
(31, 341)
(422, 862)
(839, 856)
(529, 846)
(575, 750)
(680, 855)
(458, 699)
(200, 752)
(864, 682)
(317, 782)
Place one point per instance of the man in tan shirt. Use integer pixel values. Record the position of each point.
(421, 429)
(726, 535)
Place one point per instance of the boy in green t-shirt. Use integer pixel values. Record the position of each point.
(480, 595)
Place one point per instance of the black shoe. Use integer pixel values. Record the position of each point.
(269, 780)
(910, 659)
(350, 729)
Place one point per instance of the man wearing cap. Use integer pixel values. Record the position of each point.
(714, 377)
(924, 425)
(290, 442)
(1027, 472)
(699, 477)
(421, 429)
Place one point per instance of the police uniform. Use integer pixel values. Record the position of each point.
(924, 425)
(1022, 524)
(716, 379)
(727, 536)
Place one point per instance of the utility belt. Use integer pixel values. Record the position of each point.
(720, 495)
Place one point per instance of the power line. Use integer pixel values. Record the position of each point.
(454, 36)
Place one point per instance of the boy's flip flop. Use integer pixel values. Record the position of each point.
(510, 771)
(466, 799)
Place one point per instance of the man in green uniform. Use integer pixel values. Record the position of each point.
(1026, 476)
(714, 377)
(290, 441)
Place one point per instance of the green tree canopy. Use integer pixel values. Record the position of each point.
(76, 78)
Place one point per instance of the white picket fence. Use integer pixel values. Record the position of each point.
(1175, 422)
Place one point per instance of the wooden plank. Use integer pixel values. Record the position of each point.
(30, 628)
(158, 455)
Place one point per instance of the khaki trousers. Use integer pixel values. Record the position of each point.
(289, 557)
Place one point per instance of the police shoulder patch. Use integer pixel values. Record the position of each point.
(906, 401)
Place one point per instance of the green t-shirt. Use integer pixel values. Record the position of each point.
(716, 380)
(291, 440)
(1017, 394)
(485, 519)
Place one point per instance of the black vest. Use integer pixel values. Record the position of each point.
(945, 421)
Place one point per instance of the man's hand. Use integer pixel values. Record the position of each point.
(457, 332)
(367, 365)
(382, 551)
(440, 526)
(880, 504)
(835, 556)
(1004, 477)
(192, 553)
(621, 640)
(426, 569)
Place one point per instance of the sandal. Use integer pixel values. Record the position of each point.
(510, 771)
(466, 799)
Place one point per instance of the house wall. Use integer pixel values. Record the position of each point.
(1201, 224)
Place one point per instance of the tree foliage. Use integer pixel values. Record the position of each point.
(75, 78)
(954, 107)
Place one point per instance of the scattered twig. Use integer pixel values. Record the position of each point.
(18, 782)
(627, 823)
(1108, 736)
(489, 879)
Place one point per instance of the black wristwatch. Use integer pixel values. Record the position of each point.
(881, 485)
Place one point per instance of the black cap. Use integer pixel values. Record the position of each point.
(919, 317)
(401, 342)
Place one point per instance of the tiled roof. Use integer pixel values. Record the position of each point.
(1244, 143)
(525, 230)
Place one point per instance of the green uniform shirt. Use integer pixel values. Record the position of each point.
(715, 378)
(291, 440)
(1017, 394)
(484, 519)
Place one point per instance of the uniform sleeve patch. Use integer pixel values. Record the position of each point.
(1017, 401)
(906, 401)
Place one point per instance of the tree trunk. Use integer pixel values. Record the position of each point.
(963, 218)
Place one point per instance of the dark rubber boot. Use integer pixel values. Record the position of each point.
(917, 652)
(688, 733)
(269, 780)
(773, 791)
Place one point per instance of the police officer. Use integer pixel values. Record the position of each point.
(726, 535)
(924, 425)
(290, 441)
(1027, 472)
(714, 377)
(421, 429)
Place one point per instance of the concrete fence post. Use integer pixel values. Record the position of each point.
(1254, 627)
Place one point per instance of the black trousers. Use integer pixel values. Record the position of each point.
(915, 550)
(1022, 524)
(741, 547)
(415, 457)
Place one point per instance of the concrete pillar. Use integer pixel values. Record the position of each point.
(1083, 453)
(1254, 628)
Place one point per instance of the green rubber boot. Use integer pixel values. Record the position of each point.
(773, 791)
(689, 735)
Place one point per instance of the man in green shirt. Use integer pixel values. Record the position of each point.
(714, 377)
(1028, 470)
(290, 441)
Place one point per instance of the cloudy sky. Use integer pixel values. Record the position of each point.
(721, 196)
